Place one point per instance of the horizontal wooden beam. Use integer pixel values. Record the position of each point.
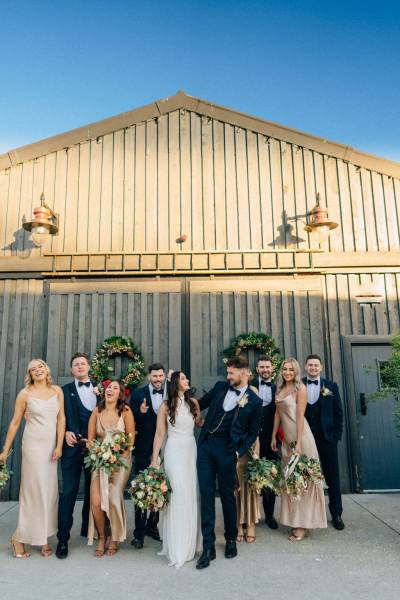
(198, 263)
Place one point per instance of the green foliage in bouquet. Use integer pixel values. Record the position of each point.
(151, 489)
(257, 341)
(299, 474)
(107, 455)
(264, 474)
(101, 368)
(5, 474)
(389, 373)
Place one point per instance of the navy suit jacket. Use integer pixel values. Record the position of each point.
(71, 399)
(267, 424)
(331, 411)
(145, 423)
(246, 422)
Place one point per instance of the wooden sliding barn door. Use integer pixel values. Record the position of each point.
(289, 309)
(83, 314)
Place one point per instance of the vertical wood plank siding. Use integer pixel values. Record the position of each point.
(22, 314)
(224, 186)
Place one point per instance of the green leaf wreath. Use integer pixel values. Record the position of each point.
(260, 342)
(101, 368)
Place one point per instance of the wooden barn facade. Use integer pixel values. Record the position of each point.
(129, 189)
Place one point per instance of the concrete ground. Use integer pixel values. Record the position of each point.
(362, 562)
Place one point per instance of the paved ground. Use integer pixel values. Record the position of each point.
(362, 562)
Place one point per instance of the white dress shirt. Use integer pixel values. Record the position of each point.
(156, 399)
(265, 392)
(87, 395)
(313, 391)
(231, 399)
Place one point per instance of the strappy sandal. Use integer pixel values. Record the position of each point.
(250, 539)
(98, 551)
(46, 551)
(239, 538)
(112, 549)
(16, 554)
(297, 538)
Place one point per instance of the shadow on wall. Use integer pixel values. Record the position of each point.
(22, 245)
(286, 237)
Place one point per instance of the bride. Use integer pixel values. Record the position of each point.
(176, 418)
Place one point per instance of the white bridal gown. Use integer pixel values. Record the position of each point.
(179, 523)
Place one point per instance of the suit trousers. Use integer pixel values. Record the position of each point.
(216, 460)
(142, 521)
(71, 469)
(328, 455)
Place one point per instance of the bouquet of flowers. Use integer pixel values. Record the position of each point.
(151, 489)
(263, 474)
(107, 454)
(5, 474)
(300, 473)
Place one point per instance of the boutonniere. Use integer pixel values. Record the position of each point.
(243, 400)
(326, 392)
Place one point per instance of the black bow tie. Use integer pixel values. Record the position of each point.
(268, 383)
(158, 391)
(314, 381)
(85, 383)
(232, 389)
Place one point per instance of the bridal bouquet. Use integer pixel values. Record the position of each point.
(5, 474)
(299, 474)
(263, 474)
(151, 489)
(108, 454)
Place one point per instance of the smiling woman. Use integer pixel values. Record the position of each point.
(42, 406)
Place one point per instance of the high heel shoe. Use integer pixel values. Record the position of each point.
(46, 551)
(99, 552)
(16, 554)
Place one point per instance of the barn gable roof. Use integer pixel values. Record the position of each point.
(203, 107)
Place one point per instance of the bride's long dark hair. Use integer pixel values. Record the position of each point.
(172, 399)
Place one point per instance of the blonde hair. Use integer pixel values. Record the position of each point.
(280, 382)
(28, 380)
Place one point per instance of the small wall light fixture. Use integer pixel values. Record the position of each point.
(318, 224)
(44, 223)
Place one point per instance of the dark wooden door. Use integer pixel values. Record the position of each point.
(378, 440)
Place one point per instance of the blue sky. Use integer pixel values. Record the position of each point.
(328, 68)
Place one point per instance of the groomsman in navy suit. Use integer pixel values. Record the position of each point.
(79, 402)
(324, 414)
(145, 403)
(266, 391)
(230, 429)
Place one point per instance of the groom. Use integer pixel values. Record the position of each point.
(230, 428)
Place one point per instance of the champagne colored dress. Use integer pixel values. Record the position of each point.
(112, 489)
(247, 500)
(38, 494)
(309, 511)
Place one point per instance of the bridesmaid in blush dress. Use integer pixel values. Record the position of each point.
(42, 406)
(107, 514)
(309, 511)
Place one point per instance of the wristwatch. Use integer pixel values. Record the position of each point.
(237, 454)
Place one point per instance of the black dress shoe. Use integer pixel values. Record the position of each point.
(338, 523)
(230, 549)
(271, 522)
(153, 533)
(62, 550)
(205, 559)
(136, 543)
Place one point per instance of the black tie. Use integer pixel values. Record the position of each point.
(232, 389)
(85, 383)
(158, 391)
(310, 381)
(268, 383)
